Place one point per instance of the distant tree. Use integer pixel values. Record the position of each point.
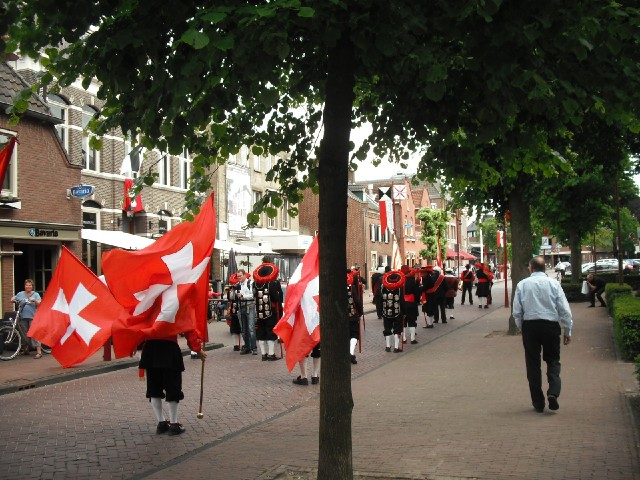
(434, 231)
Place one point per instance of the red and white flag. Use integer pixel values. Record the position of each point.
(499, 236)
(299, 327)
(131, 205)
(76, 313)
(164, 286)
(5, 158)
(386, 208)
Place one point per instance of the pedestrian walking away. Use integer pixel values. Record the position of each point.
(467, 277)
(540, 307)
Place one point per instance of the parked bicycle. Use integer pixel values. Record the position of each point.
(13, 339)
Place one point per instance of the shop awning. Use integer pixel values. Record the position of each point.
(116, 238)
(451, 255)
(241, 249)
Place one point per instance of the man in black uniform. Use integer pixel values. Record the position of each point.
(411, 301)
(596, 287)
(435, 288)
(354, 312)
(268, 294)
(393, 308)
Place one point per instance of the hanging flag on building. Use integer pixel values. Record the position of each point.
(5, 158)
(131, 162)
(299, 327)
(499, 238)
(131, 205)
(386, 208)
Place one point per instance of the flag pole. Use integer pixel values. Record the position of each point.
(200, 415)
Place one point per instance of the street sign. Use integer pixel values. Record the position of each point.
(81, 191)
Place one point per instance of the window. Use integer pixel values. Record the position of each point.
(267, 163)
(257, 196)
(378, 233)
(10, 184)
(256, 163)
(185, 169)
(372, 232)
(285, 215)
(244, 156)
(89, 154)
(164, 171)
(272, 222)
(58, 108)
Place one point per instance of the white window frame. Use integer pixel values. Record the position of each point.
(372, 232)
(257, 163)
(267, 163)
(256, 196)
(86, 137)
(286, 220)
(184, 163)
(164, 170)
(12, 171)
(60, 103)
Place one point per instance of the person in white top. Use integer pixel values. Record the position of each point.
(247, 309)
(540, 307)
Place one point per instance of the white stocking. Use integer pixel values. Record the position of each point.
(352, 345)
(396, 341)
(156, 404)
(271, 346)
(173, 412)
(387, 340)
(263, 347)
(412, 333)
(316, 366)
(303, 367)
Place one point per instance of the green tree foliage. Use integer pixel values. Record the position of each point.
(434, 229)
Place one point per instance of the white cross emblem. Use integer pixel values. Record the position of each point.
(179, 265)
(79, 301)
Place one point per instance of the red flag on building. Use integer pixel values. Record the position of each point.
(5, 158)
(299, 328)
(164, 286)
(76, 313)
(386, 209)
(131, 205)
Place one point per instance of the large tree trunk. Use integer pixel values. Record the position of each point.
(520, 243)
(576, 255)
(336, 402)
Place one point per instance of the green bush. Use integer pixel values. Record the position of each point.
(615, 290)
(626, 325)
(573, 292)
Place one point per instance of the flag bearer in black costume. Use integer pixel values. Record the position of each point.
(435, 288)
(393, 308)
(354, 312)
(233, 320)
(268, 294)
(412, 293)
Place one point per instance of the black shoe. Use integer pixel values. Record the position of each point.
(301, 381)
(236, 348)
(444, 321)
(387, 349)
(470, 303)
(353, 360)
(429, 326)
(315, 380)
(163, 427)
(539, 408)
(245, 351)
(396, 350)
(591, 306)
(479, 306)
(254, 352)
(436, 321)
(486, 306)
(451, 317)
(272, 358)
(404, 341)
(264, 357)
(553, 402)
(176, 429)
(413, 342)
(603, 304)
(194, 356)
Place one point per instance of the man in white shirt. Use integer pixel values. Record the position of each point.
(247, 311)
(539, 308)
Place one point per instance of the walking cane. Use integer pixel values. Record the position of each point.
(360, 337)
(200, 414)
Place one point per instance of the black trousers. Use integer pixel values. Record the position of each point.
(467, 287)
(597, 292)
(537, 336)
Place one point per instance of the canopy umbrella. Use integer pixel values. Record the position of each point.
(232, 266)
(451, 255)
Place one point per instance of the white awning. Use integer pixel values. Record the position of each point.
(116, 238)
(241, 248)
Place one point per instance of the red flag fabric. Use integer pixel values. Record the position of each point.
(164, 286)
(76, 313)
(130, 205)
(386, 209)
(5, 158)
(299, 328)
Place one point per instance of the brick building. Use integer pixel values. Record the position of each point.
(37, 217)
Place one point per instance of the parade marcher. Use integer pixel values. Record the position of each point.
(247, 309)
(434, 289)
(354, 313)
(411, 301)
(376, 284)
(485, 279)
(596, 287)
(235, 329)
(269, 298)
(162, 360)
(452, 290)
(315, 374)
(467, 277)
(540, 307)
(394, 308)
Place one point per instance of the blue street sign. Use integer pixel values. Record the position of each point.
(81, 191)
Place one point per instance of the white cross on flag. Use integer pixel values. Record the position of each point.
(163, 287)
(299, 327)
(76, 313)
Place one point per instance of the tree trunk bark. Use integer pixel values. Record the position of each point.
(520, 243)
(336, 403)
(576, 256)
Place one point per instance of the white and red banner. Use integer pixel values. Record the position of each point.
(164, 286)
(76, 313)
(386, 208)
(131, 205)
(499, 238)
(299, 328)
(5, 158)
